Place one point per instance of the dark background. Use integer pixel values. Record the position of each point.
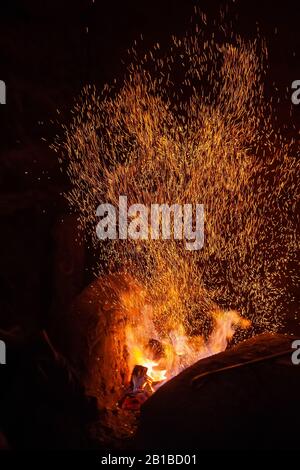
(48, 51)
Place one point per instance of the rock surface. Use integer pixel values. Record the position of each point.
(247, 407)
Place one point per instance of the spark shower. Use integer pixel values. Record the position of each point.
(191, 123)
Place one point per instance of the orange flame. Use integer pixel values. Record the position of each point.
(178, 350)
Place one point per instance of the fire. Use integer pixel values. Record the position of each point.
(153, 368)
(190, 125)
(164, 356)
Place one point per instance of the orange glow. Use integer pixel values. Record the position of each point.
(177, 350)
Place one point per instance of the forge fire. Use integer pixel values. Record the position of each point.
(155, 360)
(151, 141)
(150, 289)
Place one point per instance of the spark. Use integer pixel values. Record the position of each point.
(191, 125)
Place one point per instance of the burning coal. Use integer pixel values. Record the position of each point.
(191, 125)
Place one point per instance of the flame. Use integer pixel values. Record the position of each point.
(178, 350)
(154, 372)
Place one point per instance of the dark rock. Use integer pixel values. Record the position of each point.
(254, 405)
